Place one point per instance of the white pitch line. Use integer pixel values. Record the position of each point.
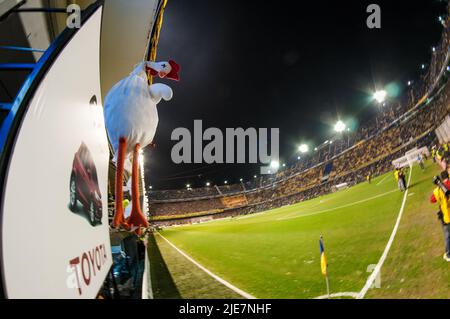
(339, 207)
(382, 180)
(377, 269)
(339, 294)
(222, 281)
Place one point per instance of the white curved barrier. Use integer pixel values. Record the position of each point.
(51, 247)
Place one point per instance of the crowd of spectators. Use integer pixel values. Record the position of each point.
(372, 148)
(206, 206)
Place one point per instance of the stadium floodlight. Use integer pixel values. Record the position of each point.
(150, 187)
(380, 96)
(433, 49)
(188, 185)
(315, 148)
(240, 179)
(304, 148)
(448, 68)
(298, 157)
(275, 165)
(226, 182)
(339, 126)
(255, 176)
(284, 164)
(409, 83)
(208, 184)
(422, 66)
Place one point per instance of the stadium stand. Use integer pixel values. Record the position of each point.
(404, 124)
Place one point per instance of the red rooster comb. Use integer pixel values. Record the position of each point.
(173, 74)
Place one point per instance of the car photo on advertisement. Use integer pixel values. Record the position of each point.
(85, 197)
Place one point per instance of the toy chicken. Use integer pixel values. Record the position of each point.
(131, 119)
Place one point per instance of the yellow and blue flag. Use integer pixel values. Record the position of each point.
(323, 258)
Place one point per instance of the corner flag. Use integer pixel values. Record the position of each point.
(323, 258)
(324, 265)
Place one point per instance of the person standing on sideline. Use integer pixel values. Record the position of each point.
(400, 178)
(420, 160)
(369, 177)
(444, 212)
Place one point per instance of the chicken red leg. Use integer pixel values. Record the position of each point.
(119, 218)
(136, 219)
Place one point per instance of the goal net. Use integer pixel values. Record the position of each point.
(339, 187)
(411, 157)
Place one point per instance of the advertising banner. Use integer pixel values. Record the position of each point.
(55, 233)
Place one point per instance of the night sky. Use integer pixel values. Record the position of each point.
(289, 65)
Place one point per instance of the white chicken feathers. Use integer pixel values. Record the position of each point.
(130, 109)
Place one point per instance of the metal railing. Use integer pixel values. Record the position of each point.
(36, 70)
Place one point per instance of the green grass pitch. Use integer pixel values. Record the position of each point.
(275, 254)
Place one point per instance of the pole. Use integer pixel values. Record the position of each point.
(328, 286)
